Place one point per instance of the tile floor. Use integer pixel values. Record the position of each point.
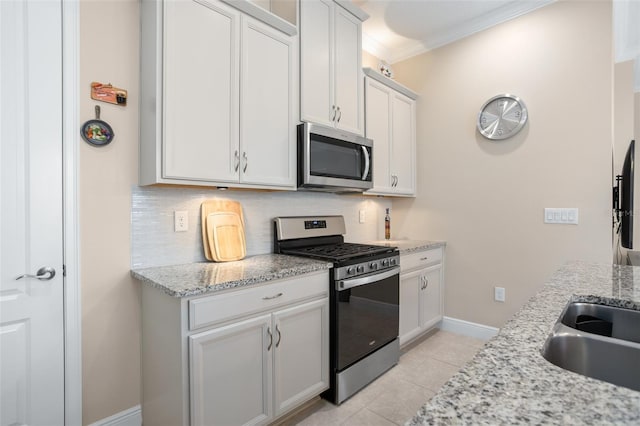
(396, 396)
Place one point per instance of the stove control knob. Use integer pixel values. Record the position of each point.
(385, 263)
(360, 269)
(393, 262)
(373, 265)
(350, 270)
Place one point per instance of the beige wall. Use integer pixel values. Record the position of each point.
(486, 199)
(110, 298)
(369, 60)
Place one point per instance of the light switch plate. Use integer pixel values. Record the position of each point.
(561, 215)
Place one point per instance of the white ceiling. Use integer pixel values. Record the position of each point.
(400, 29)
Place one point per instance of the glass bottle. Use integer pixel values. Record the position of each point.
(387, 226)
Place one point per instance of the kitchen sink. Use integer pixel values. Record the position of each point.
(598, 341)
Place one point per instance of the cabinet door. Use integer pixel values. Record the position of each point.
(316, 61)
(301, 357)
(348, 72)
(267, 130)
(431, 302)
(410, 294)
(231, 374)
(201, 90)
(403, 157)
(378, 120)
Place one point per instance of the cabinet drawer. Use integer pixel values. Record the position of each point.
(420, 259)
(213, 309)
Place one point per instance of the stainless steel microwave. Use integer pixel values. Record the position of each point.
(333, 160)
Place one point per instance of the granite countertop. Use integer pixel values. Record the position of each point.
(410, 246)
(209, 277)
(509, 382)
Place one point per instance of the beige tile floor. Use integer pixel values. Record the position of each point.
(396, 396)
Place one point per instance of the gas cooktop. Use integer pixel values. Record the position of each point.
(338, 252)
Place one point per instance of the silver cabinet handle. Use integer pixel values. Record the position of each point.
(270, 339)
(333, 107)
(279, 336)
(340, 116)
(397, 180)
(246, 161)
(272, 297)
(237, 157)
(367, 163)
(45, 273)
(426, 282)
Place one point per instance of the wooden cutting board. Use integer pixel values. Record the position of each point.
(223, 230)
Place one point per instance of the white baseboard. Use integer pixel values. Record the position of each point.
(130, 417)
(466, 328)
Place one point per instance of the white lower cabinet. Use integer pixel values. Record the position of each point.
(230, 374)
(247, 368)
(421, 293)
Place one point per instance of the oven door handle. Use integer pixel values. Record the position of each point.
(355, 282)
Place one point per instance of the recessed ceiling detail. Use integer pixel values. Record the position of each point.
(400, 29)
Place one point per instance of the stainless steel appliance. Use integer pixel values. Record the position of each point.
(364, 294)
(333, 160)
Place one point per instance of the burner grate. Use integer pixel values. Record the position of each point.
(340, 251)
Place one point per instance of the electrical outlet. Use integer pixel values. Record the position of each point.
(180, 221)
(499, 294)
(363, 216)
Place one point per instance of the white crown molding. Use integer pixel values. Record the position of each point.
(374, 47)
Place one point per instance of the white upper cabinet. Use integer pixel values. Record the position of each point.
(201, 86)
(217, 97)
(390, 111)
(331, 90)
(267, 134)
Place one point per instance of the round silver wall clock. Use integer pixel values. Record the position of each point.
(501, 117)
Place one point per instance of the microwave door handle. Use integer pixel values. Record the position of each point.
(366, 162)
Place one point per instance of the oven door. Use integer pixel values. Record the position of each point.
(367, 317)
(333, 159)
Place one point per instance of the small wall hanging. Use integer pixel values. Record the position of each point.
(97, 132)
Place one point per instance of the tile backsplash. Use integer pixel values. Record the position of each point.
(154, 242)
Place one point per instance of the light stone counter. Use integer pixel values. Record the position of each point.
(209, 277)
(410, 246)
(509, 382)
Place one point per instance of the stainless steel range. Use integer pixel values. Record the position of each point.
(364, 299)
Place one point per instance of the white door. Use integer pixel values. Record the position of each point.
(267, 130)
(378, 121)
(301, 353)
(410, 305)
(316, 62)
(403, 144)
(348, 72)
(230, 373)
(201, 91)
(431, 310)
(31, 318)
